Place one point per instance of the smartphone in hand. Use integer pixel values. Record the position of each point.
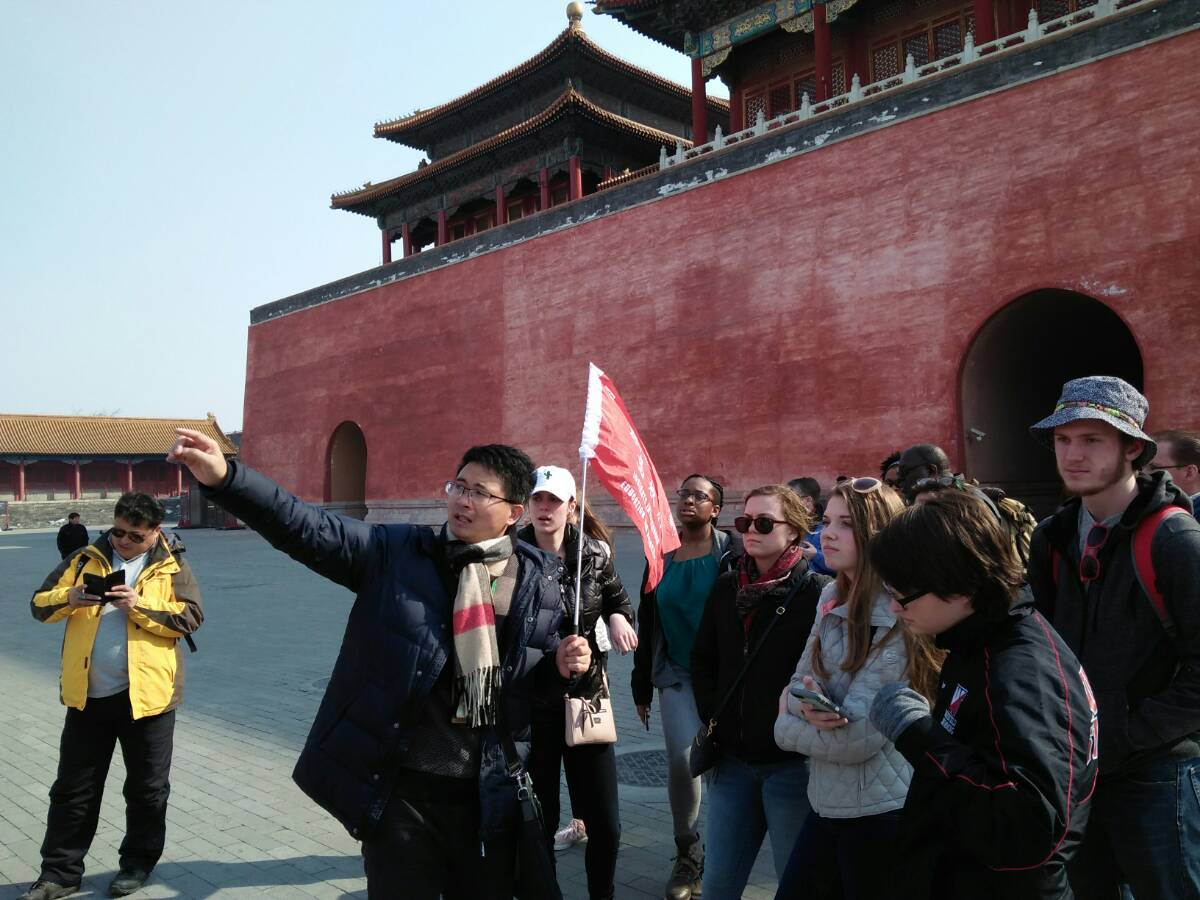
(817, 701)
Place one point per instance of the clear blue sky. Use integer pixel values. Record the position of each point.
(166, 167)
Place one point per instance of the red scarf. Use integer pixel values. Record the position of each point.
(753, 588)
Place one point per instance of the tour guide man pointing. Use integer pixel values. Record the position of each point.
(452, 633)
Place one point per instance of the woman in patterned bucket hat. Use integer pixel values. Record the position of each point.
(1105, 398)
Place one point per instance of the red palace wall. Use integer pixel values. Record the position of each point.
(809, 315)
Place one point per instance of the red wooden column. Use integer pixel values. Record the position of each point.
(544, 188)
(501, 207)
(406, 239)
(129, 476)
(178, 480)
(699, 104)
(822, 52)
(443, 234)
(20, 481)
(859, 57)
(574, 179)
(985, 21)
(737, 115)
(76, 482)
(387, 246)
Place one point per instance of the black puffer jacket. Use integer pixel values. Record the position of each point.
(1002, 770)
(602, 595)
(746, 727)
(1147, 685)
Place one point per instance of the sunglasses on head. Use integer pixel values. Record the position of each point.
(761, 524)
(136, 536)
(865, 484)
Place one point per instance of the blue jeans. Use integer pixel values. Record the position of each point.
(859, 854)
(745, 803)
(1144, 831)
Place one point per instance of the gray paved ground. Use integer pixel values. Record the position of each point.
(237, 825)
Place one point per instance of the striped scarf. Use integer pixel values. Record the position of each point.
(476, 604)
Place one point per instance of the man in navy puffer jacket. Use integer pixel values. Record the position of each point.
(451, 636)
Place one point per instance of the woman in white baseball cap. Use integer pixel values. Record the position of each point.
(604, 611)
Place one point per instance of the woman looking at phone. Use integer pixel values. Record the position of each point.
(857, 779)
(667, 620)
(756, 618)
(591, 768)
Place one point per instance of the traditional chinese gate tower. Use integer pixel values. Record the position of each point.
(537, 136)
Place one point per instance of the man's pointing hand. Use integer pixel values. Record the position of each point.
(201, 455)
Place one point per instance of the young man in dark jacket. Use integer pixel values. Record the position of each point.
(1005, 762)
(72, 536)
(1143, 661)
(451, 636)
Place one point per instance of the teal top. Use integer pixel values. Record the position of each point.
(680, 597)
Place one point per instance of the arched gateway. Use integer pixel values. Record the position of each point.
(1011, 377)
(346, 482)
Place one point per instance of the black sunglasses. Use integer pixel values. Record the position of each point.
(761, 524)
(135, 536)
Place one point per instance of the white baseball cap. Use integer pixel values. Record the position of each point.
(554, 480)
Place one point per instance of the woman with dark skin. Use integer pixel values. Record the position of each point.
(668, 619)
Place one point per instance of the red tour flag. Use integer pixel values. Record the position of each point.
(616, 451)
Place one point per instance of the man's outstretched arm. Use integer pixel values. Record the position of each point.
(338, 548)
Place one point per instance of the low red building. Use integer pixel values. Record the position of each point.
(82, 457)
(925, 257)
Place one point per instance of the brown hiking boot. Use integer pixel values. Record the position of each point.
(684, 883)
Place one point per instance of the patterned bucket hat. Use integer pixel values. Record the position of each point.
(1106, 399)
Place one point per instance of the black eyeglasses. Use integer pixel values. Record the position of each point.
(761, 524)
(1155, 467)
(697, 496)
(1089, 562)
(907, 598)
(472, 495)
(136, 536)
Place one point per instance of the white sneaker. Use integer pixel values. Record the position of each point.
(566, 838)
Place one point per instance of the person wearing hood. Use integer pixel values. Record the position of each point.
(1141, 650)
(605, 613)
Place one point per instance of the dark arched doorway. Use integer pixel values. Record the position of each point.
(1013, 373)
(346, 484)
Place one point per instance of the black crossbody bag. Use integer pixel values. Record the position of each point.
(704, 745)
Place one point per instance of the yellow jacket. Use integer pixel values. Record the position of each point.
(168, 609)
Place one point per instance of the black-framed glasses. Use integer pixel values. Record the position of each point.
(906, 599)
(761, 524)
(695, 496)
(1155, 467)
(136, 536)
(1089, 561)
(471, 494)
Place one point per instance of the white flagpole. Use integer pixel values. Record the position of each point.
(587, 449)
(579, 559)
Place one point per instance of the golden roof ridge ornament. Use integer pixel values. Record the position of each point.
(575, 15)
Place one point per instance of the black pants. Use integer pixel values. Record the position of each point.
(592, 783)
(857, 854)
(88, 739)
(427, 846)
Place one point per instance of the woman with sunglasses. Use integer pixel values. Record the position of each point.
(667, 620)
(604, 607)
(757, 618)
(857, 779)
(1005, 756)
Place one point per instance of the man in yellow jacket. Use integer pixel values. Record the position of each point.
(122, 677)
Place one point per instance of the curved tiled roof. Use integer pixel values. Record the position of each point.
(570, 101)
(395, 128)
(99, 435)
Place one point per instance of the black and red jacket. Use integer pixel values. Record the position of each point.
(1005, 767)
